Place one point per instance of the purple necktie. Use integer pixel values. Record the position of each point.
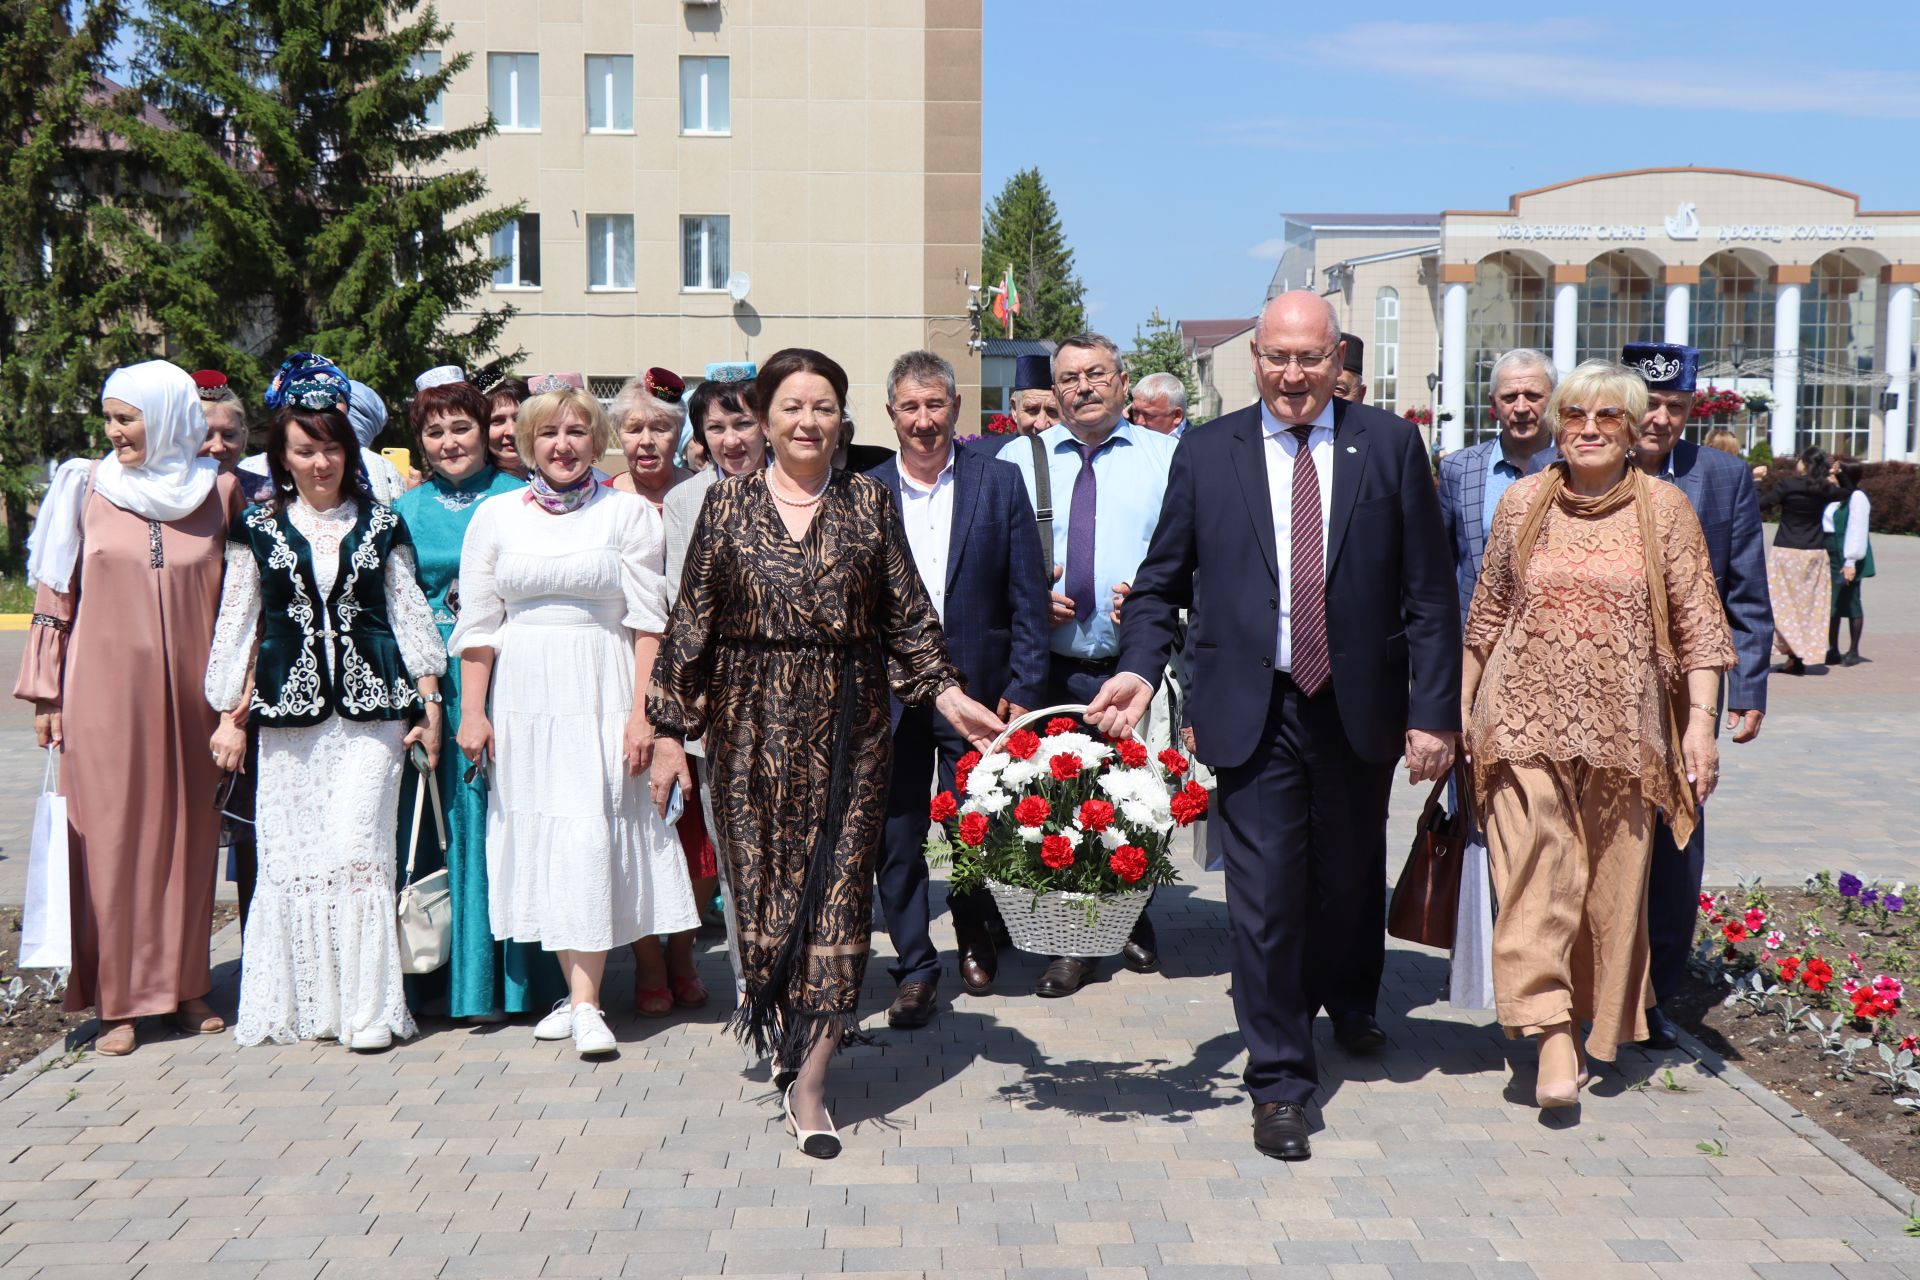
(1086, 509)
(1307, 582)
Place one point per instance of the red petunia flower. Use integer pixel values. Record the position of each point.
(1789, 968)
(1735, 931)
(943, 808)
(1910, 1043)
(1706, 903)
(1032, 811)
(1816, 975)
(1096, 815)
(1176, 764)
(1066, 766)
(1061, 724)
(1056, 852)
(973, 829)
(963, 769)
(1129, 862)
(1133, 752)
(1022, 743)
(1756, 920)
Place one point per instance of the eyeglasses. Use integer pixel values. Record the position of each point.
(1573, 416)
(1310, 362)
(1092, 378)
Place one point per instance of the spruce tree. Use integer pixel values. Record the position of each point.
(67, 312)
(1161, 349)
(1022, 228)
(296, 199)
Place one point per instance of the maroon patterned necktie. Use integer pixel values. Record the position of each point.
(1307, 583)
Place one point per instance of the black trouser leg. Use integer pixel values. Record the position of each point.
(1673, 905)
(901, 883)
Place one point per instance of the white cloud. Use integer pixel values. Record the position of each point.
(1268, 250)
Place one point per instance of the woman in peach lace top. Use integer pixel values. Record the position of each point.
(1595, 644)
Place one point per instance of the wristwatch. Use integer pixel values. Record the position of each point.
(433, 697)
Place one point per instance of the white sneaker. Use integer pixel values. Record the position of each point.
(590, 1032)
(371, 1039)
(557, 1025)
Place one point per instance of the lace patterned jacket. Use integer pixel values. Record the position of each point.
(335, 601)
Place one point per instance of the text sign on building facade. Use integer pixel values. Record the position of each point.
(1684, 225)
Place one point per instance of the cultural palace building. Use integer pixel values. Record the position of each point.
(1797, 297)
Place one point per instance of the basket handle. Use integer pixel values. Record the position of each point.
(1020, 722)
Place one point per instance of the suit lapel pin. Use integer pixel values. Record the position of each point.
(1351, 449)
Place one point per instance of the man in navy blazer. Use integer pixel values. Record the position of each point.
(971, 530)
(1304, 535)
(1472, 479)
(1720, 487)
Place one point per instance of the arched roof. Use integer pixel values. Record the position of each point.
(1513, 203)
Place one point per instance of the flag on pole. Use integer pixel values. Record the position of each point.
(1011, 293)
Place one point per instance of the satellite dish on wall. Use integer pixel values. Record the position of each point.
(737, 286)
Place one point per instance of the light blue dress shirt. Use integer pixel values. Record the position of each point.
(1500, 474)
(1130, 475)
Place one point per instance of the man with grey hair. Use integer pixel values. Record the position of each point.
(1472, 479)
(1160, 404)
(969, 530)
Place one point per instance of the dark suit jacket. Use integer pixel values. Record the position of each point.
(996, 604)
(1463, 488)
(1393, 624)
(1720, 487)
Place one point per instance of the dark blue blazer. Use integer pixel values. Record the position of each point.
(1463, 489)
(996, 605)
(1393, 622)
(1720, 487)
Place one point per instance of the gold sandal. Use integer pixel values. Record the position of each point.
(117, 1041)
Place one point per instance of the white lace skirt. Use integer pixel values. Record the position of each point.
(321, 957)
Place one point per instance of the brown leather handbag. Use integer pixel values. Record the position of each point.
(1426, 898)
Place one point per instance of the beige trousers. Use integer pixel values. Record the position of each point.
(1570, 846)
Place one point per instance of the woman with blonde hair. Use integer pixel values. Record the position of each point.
(562, 602)
(1595, 643)
(1724, 440)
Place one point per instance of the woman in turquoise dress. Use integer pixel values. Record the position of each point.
(484, 980)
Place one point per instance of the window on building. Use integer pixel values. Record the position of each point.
(609, 93)
(609, 251)
(1621, 302)
(1733, 304)
(517, 245)
(1508, 306)
(703, 252)
(1385, 351)
(424, 64)
(513, 90)
(1839, 336)
(704, 104)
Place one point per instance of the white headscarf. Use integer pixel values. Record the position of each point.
(173, 480)
(366, 412)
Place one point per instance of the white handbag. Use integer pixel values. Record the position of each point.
(425, 906)
(46, 925)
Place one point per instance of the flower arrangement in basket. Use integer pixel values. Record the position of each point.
(1068, 831)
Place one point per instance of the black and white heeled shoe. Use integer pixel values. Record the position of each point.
(821, 1144)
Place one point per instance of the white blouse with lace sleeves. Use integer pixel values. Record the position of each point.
(643, 558)
(235, 630)
(482, 611)
(412, 617)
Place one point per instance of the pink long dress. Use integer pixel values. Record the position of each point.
(125, 656)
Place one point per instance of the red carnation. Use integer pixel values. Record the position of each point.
(1066, 766)
(1176, 764)
(973, 829)
(1096, 815)
(1061, 724)
(1056, 852)
(1022, 743)
(944, 806)
(1032, 811)
(1735, 931)
(1183, 809)
(1129, 862)
(1133, 753)
(963, 769)
(1816, 975)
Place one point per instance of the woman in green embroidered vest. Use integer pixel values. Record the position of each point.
(321, 578)
(483, 980)
(1851, 554)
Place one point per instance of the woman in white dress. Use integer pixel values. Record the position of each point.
(322, 578)
(562, 602)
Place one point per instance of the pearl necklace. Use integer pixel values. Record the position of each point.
(798, 502)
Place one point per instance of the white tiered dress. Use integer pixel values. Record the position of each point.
(578, 859)
(320, 958)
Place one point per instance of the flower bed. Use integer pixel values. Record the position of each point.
(1807, 990)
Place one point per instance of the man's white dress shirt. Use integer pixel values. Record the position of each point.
(927, 511)
(1281, 448)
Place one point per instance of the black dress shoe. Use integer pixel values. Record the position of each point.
(1063, 977)
(913, 1007)
(1142, 952)
(1280, 1130)
(978, 968)
(1358, 1032)
(1852, 660)
(1833, 658)
(1661, 1033)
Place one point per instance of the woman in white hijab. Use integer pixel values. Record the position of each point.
(127, 555)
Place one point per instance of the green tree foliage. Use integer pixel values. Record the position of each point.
(66, 310)
(1023, 229)
(1161, 349)
(293, 198)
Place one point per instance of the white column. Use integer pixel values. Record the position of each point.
(1566, 326)
(1678, 297)
(1786, 368)
(1453, 366)
(1899, 368)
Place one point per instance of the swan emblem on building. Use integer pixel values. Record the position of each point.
(1659, 368)
(1684, 225)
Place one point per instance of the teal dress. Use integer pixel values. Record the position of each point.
(482, 975)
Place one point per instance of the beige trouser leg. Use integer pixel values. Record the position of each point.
(1569, 848)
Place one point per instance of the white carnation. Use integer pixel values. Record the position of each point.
(1018, 774)
(1139, 813)
(994, 802)
(1112, 838)
(1032, 835)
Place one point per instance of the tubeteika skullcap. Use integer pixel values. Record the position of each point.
(308, 380)
(440, 376)
(1666, 366)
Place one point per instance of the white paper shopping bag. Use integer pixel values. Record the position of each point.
(46, 926)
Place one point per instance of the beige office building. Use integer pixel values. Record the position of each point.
(823, 156)
(1799, 299)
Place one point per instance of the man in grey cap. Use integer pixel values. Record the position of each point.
(1351, 384)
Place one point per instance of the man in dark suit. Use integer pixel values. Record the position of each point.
(1472, 479)
(1351, 383)
(970, 528)
(1720, 487)
(1304, 535)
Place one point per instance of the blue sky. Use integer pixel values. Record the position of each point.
(1174, 136)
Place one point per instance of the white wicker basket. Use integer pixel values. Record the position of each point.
(1056, 924)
